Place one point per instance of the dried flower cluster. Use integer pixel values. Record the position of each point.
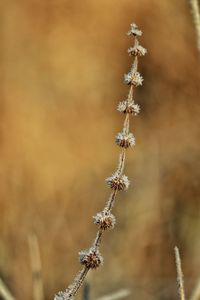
(127, 107)
(118, 182)
(91, 258)
(104, 220)
(125, 139)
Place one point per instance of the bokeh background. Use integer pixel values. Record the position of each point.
(62, 66)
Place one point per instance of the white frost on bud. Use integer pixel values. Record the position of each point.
(134, 30)
(128, 107)
(133, 78)
(91, 258)
(125, 140)
(137, 50)
(118, 182)
(105, 220)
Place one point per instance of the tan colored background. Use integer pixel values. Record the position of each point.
(62, 66)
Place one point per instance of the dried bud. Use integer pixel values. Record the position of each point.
(127, 107)
(118, 182)
(125, 140)
(134, 30)
(91, 258)
(137, 50)
(105, 220)
(133, 78)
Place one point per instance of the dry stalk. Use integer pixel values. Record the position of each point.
(196, 292)
(91, 258)
(4, 291)
(196, 19)
(180, 281)
(38, 291)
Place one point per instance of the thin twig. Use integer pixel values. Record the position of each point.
(38, 290)
(4, 291)
(180, 281)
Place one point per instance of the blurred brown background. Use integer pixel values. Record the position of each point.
(62, 66)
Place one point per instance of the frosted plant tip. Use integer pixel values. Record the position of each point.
(134, 30)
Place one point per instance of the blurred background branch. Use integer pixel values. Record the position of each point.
(4, 291)
(196, 19)
(36, 267)
(196, 292)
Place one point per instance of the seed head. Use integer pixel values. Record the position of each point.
(91, 258)
(133, 78)
(137, 50)
(105, 220)
(127, 107)
(125, 140)
(118, 182)
(134, 30)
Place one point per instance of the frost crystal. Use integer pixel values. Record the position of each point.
(137, 50)
(104, 220)
(133, 78)
(118, 182)
(125, 140)
(91, 258)
(134, 30)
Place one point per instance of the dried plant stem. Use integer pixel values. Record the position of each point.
(196, 19)
(196, 292)
(180, 281)
(91, 258)
(38, 290)
(117, 295)
(80, 278)
(111, 201)
(4, 291)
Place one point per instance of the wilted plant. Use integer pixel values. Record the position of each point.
(91, 258)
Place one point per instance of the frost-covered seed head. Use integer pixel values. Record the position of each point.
(91, 258)
(134, 30)
(137, 50)
(125, 140)
(133, 78)
(127, 107)
(105, 220)
(118, 182)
